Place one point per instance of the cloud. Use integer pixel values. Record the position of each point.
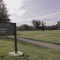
(13, 5)
(28, 0)
(52, 15)
(16, 12)
(20, 12)
(50, 19)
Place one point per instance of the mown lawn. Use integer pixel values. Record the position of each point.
(31, 52)
(52, 36)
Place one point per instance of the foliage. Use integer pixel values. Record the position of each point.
(39, 25)
(24, 27)
(43, 25)
(4, 17)
(36, 24)
(58, 25)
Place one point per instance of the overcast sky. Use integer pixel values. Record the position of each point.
(24, 11)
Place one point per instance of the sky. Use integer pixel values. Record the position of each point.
(24, 11)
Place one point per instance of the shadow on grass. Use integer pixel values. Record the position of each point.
(6, 57)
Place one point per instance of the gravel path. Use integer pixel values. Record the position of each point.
(49, 45)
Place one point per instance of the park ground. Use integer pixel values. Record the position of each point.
(31, 52)
(52, 36)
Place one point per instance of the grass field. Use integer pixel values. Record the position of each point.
(31, 52)
(52, 36)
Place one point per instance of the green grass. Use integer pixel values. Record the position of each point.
(31, 52)
(52, 36)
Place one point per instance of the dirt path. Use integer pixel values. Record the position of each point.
(49, 45)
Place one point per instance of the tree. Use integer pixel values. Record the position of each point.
(36, 24)
(43, 25)
(4, 17)
(58, 25)
(24, 27)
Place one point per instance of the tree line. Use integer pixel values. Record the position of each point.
(39, 25)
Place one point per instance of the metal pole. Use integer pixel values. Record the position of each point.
(15, 38)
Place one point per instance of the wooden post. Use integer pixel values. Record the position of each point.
(15, 36)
